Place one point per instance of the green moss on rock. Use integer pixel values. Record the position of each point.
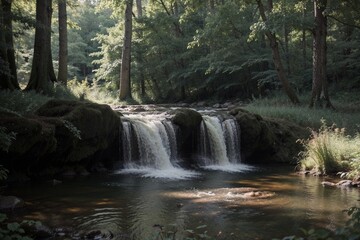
(264, 140)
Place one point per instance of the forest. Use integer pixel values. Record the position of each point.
(169, 51)
(179, 119)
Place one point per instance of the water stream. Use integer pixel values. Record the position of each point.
(268, 202)
(153, 195)
(149, 146)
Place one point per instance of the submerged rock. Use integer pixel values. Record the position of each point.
(10, 202)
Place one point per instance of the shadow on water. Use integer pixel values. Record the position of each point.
(265, 203)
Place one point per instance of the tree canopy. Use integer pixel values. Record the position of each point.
(190, 49)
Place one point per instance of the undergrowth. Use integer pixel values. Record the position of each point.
(330, 150)
(346, 115)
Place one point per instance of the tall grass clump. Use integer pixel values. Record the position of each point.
(330, 151)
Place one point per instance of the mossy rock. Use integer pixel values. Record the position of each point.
(83, 128)
(186, 118)
(34, 140)
(62, 133)
(264, 140)
(188, 121)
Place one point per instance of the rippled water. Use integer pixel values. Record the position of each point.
(264, 203)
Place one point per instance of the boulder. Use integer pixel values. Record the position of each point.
(10, 202)
(265, 140)
(188, 121)
(61, 133)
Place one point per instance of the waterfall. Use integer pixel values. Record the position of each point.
(154, 138)
(219, 144)
(232, 140)
(127, 138)
(149, 146)
(215, 139)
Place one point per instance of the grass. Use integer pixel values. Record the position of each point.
(27, 102)
(346, 115)
(330, 151)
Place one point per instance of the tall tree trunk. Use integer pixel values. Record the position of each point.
(303, 41)
(287, 52)
(139, 56)
(42, 71)
(8, 75)
(319, 84)
(276, 56)
(63, 49)
(212, 6)
(139, 8)
(125, 91)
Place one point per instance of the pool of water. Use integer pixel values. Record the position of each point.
(267, 202)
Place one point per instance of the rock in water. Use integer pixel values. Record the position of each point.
(10, 202)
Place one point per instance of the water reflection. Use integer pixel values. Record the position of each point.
(264, 204)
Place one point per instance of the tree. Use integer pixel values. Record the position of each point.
(42, 71)
(319, 82)
(276, 55)
(125, 90)
(63, 48)
(8, 76)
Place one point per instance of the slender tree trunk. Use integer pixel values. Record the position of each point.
(287, 52)
(139, 8)
(276, 56)
(63, 49)
(125, 91)
(140, 53)
(319, 84)
(8, 75)
(42, 71)
(212, 6)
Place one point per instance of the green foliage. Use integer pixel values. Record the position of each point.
(12, 231)
(3, 173)
(25, 102)
(351, 230)
(172, 232)
(277, 105)
(6, 139)
(331, 151)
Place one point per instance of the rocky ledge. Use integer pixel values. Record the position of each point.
(60, 133)
(72, 138)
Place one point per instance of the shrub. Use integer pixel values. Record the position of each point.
(331, 151)
(6, 139)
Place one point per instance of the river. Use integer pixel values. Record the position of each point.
(263, 202)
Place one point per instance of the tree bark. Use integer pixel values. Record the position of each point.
(8, 75)
(276, 56)
(125, 90)
(319, 84)
(63, 48)
(139, 55)
(42, 71)
(212, 6)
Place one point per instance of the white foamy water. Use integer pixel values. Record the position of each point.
(231, 168)
(173, 173)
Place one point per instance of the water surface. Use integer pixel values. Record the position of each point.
(268, 202)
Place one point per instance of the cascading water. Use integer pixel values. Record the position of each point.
(232, 136)
(156, 147)
(219, 145)
(215, 152)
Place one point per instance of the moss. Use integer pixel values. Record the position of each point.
(265, 139)
(45, 139)
(186, 118)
